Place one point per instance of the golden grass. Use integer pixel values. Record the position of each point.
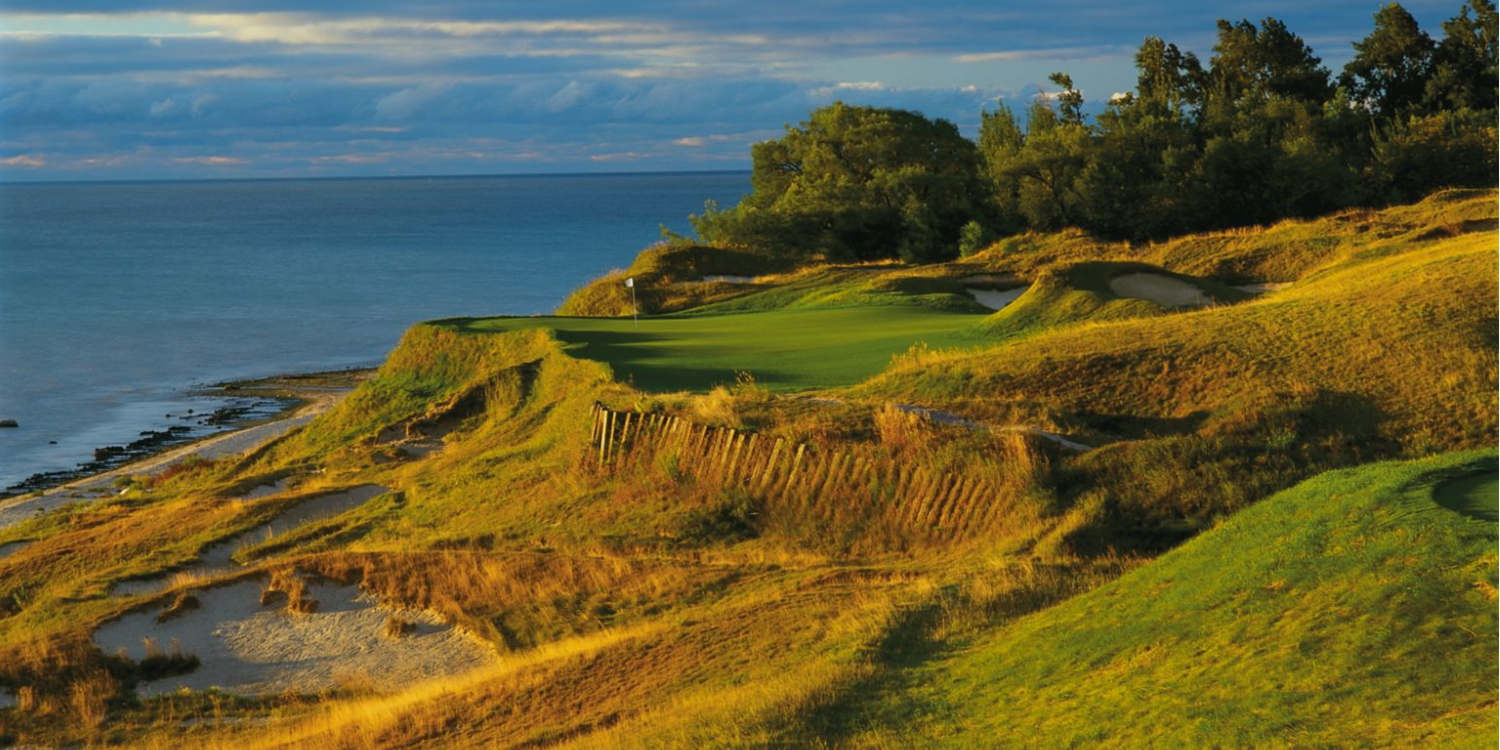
(664, 601)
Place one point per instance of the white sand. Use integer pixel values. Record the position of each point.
(1163, 290)
(1263, 287)
(216, 559)
(247, 648)
(731, 279)
(994, 299)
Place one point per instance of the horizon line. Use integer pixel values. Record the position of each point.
(329, 178)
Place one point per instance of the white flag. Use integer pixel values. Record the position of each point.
(630, 283)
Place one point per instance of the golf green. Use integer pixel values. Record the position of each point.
(784, 350)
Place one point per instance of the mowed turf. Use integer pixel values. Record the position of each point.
(784, 350)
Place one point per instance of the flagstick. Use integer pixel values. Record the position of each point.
(635, 308)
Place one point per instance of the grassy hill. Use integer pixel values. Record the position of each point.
(1349, 611)
(1103, 524)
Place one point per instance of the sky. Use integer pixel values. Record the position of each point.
(186, 89)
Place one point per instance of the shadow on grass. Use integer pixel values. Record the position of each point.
(1473, 492)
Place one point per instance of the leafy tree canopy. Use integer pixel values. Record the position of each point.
(859, 183)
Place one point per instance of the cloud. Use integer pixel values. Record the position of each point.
(1101, 52)
(24, 160)
(142, 88)
(212, 161)
(406, 102)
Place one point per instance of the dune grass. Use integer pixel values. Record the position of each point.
(1350, 611)
(783, 350)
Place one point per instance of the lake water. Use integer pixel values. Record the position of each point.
(117, 299)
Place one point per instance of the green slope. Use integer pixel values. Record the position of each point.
(783, 349)
(1349, 611)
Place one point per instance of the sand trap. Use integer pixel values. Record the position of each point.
(216, 559)
(994, 299)
(1263, 287)
(252, 649)
(730, 279)
(1163, 290)
(266, 490)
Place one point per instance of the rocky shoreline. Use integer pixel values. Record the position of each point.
(252, 402)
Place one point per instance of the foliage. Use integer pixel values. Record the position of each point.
(856, 183)
(1258, 133)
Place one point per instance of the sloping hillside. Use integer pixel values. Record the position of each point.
(842, 506)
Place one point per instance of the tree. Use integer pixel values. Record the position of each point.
(1167, 76)
(1046, 169)
(1464, 72)
(1257, 64)
(1000, 142)
(1389, 72)
(857, 182)
(1069, 100)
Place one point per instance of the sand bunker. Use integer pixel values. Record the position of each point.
(267, 490)
(248, 648)
(1163, 290)
(731, 279)
(216, 559)
(1263, 287)
(994, 299)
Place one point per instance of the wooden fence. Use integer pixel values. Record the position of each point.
(784, 473)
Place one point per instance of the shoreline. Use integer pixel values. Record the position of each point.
(300, 398)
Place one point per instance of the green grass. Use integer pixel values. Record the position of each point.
(1349, 611)
(784, 350)
(1354, 610)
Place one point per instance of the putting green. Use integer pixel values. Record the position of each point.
(1476, 495)
(785, 350)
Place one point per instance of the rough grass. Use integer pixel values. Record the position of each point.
(655, 603)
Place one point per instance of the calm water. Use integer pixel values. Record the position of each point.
(118, 298)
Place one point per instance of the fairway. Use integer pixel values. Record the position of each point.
(785, 350)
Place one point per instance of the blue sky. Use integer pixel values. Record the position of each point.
(146, 89)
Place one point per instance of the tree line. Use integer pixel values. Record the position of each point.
(1260, 132)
